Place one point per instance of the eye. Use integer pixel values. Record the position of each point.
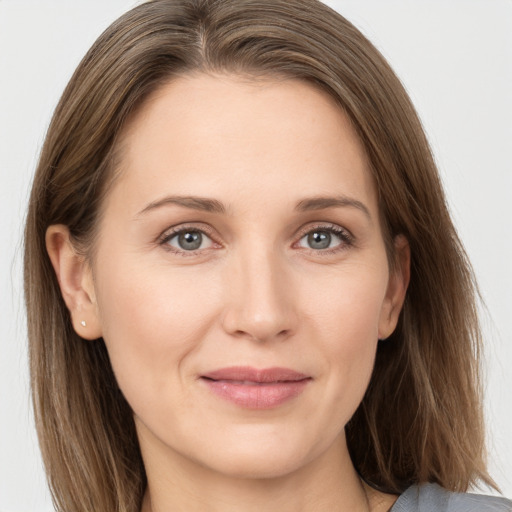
(323, 238)
(188, 240)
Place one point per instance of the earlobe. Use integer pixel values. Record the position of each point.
(75, 281)
(397, 288)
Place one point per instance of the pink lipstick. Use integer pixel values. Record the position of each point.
(256, 389)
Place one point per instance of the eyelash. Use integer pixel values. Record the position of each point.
(346, 238)
(167, 236)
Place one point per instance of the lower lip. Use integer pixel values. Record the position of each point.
(257, 396)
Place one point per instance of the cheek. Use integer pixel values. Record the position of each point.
(152, 320)
(348, 314)
(350, 304)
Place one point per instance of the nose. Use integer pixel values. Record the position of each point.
(261, 304)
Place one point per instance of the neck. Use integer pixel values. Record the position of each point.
(327, 484)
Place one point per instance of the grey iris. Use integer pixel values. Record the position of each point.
(319, 240)
(190, 240)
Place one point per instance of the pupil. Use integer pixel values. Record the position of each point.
(190, 240)
(319, 240)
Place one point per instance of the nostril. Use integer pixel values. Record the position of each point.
(285, 333)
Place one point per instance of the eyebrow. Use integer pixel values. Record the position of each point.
(323, 202)
(213, 206)
(193, 202)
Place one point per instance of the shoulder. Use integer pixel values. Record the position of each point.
(433, 498)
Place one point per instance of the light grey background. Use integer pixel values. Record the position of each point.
(454, 57)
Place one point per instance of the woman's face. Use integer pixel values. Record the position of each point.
(241, 280)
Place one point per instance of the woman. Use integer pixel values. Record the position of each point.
(244, 290)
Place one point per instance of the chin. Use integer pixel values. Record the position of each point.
(259, 466)
(264, 459)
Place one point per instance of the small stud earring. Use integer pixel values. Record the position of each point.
(83, 323)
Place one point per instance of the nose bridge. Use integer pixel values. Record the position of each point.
(260, 291)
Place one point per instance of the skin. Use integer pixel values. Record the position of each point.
(255, 293)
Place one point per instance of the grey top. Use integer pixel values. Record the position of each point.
(433, 498)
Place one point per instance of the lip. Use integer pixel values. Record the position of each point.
(253, 388)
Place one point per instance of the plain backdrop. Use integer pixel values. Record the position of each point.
(455, 59)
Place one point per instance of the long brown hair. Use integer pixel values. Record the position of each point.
(421, 418)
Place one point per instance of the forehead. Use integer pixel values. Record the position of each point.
(231, 136)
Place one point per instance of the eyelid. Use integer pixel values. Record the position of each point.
(171, 232)
(344, 234)
(328, 226)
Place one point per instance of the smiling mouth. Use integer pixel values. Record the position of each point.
(248, 382)
(252, 388)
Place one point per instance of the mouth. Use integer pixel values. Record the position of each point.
(253, 388)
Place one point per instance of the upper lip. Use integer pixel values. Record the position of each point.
(249, 374)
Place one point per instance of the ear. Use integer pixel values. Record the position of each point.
(75, 280)
(397, 288)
